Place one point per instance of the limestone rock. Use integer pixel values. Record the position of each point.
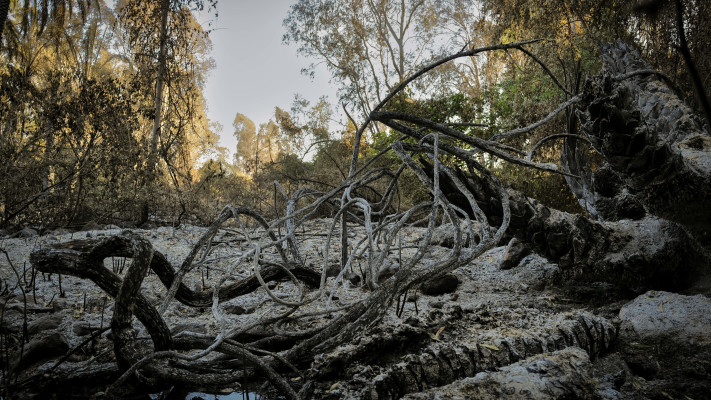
(514, 253)
(665, 339)
(59, 304)
(83, 329)
(669, 316)
(440, 285)
(45, 323)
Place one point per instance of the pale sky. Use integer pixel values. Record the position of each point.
(254, 72)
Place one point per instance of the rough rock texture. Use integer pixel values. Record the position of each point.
(680, 319)
(562, 374)
(515, 252)
(665, 340)
(444, 284)
(45, 323)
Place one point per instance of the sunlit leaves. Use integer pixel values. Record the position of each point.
(368, 46)
(75, 101)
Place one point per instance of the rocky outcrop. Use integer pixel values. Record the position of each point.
(514, 253)
(665, 340)
(675, 318)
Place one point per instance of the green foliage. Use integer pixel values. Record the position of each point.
(454, 108)
(73, 113)
(370, 46)
(77, 97)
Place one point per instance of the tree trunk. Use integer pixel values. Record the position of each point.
(151, 165)
(4, 9)
(657, 154)
(155, 131)
(647, 202)
(633, 255)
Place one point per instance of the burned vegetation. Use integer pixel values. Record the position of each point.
(479, 292)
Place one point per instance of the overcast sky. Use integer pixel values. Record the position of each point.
(254, 72)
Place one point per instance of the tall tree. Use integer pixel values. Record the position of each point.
(305, 127)
(4, 9)
(162, 47)
(368, 46)
(246, 134)
(168, 60)
(67, 121)
(258, 147)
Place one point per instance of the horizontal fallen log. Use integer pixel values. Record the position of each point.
(633, 254)
(431, 364)
(84, 259)
(563, 374)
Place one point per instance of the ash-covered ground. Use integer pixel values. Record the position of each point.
(481, 332)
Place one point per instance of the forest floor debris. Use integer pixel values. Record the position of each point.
(494, 328)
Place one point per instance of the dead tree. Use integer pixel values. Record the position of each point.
(648, 200)
(289, 342)
(656, 150)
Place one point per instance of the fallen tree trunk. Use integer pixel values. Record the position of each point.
(634, 254)
(657, 153)
(647, 202)
(84, 259)
(652, 250)
(419, 363)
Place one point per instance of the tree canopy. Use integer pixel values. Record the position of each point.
(465, 126)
